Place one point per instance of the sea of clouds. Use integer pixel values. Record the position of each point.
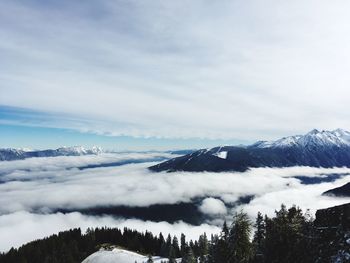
(32, 190)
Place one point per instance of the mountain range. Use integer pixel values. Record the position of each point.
(342, 191)
(315, 149)
(10, 154)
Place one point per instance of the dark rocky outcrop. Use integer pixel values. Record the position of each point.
(333, 234)
(342, 191)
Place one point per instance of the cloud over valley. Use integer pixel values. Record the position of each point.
(39, 187)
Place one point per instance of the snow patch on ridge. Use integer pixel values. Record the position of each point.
(222, 155)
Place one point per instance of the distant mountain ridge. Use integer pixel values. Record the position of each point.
(10, 154)
(316, 149)
(314, 138)
(342, 191)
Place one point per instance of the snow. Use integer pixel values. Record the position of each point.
(9, 154)
(345, 135)
(25, 149)
(120, 256)
(222, 154)
(337, 138)
(79, 150)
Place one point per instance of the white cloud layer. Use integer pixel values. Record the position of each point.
(214, 69)
(21, 227)
(26, 182)
(213, 206)
(46, 184)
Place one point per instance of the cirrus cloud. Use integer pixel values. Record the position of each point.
(179, 69)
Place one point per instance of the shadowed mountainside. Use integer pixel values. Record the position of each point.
(316, 149)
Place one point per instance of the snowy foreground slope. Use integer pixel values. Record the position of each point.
(118, 255)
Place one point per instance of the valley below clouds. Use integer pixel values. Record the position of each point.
(42, 196)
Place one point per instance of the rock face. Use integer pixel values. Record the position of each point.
(316, 149)
(333, 227)
(337, 216)
(342, 191)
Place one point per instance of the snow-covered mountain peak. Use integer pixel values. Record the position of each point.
(341, 131)
(325, 138)
(10, 154)
(97, 149)
(315, 149)
(345, 135)
(76, 149)
(314, 138)
(80, 150)
(283, 142)
(313, 132)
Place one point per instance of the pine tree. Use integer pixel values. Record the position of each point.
(161, 245)
(172, 255)
(220, 245)
(183, 244)
(240, 249)
(225, 231)
(176, 247)
(203, 248)
(189, 256)
(213, 253)
(149, 260)
(168, 245)
(259, 238)
(288, 237)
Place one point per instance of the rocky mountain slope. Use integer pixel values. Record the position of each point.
(342, 191)
(316, 149)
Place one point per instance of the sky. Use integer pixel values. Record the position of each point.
(137, 75)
